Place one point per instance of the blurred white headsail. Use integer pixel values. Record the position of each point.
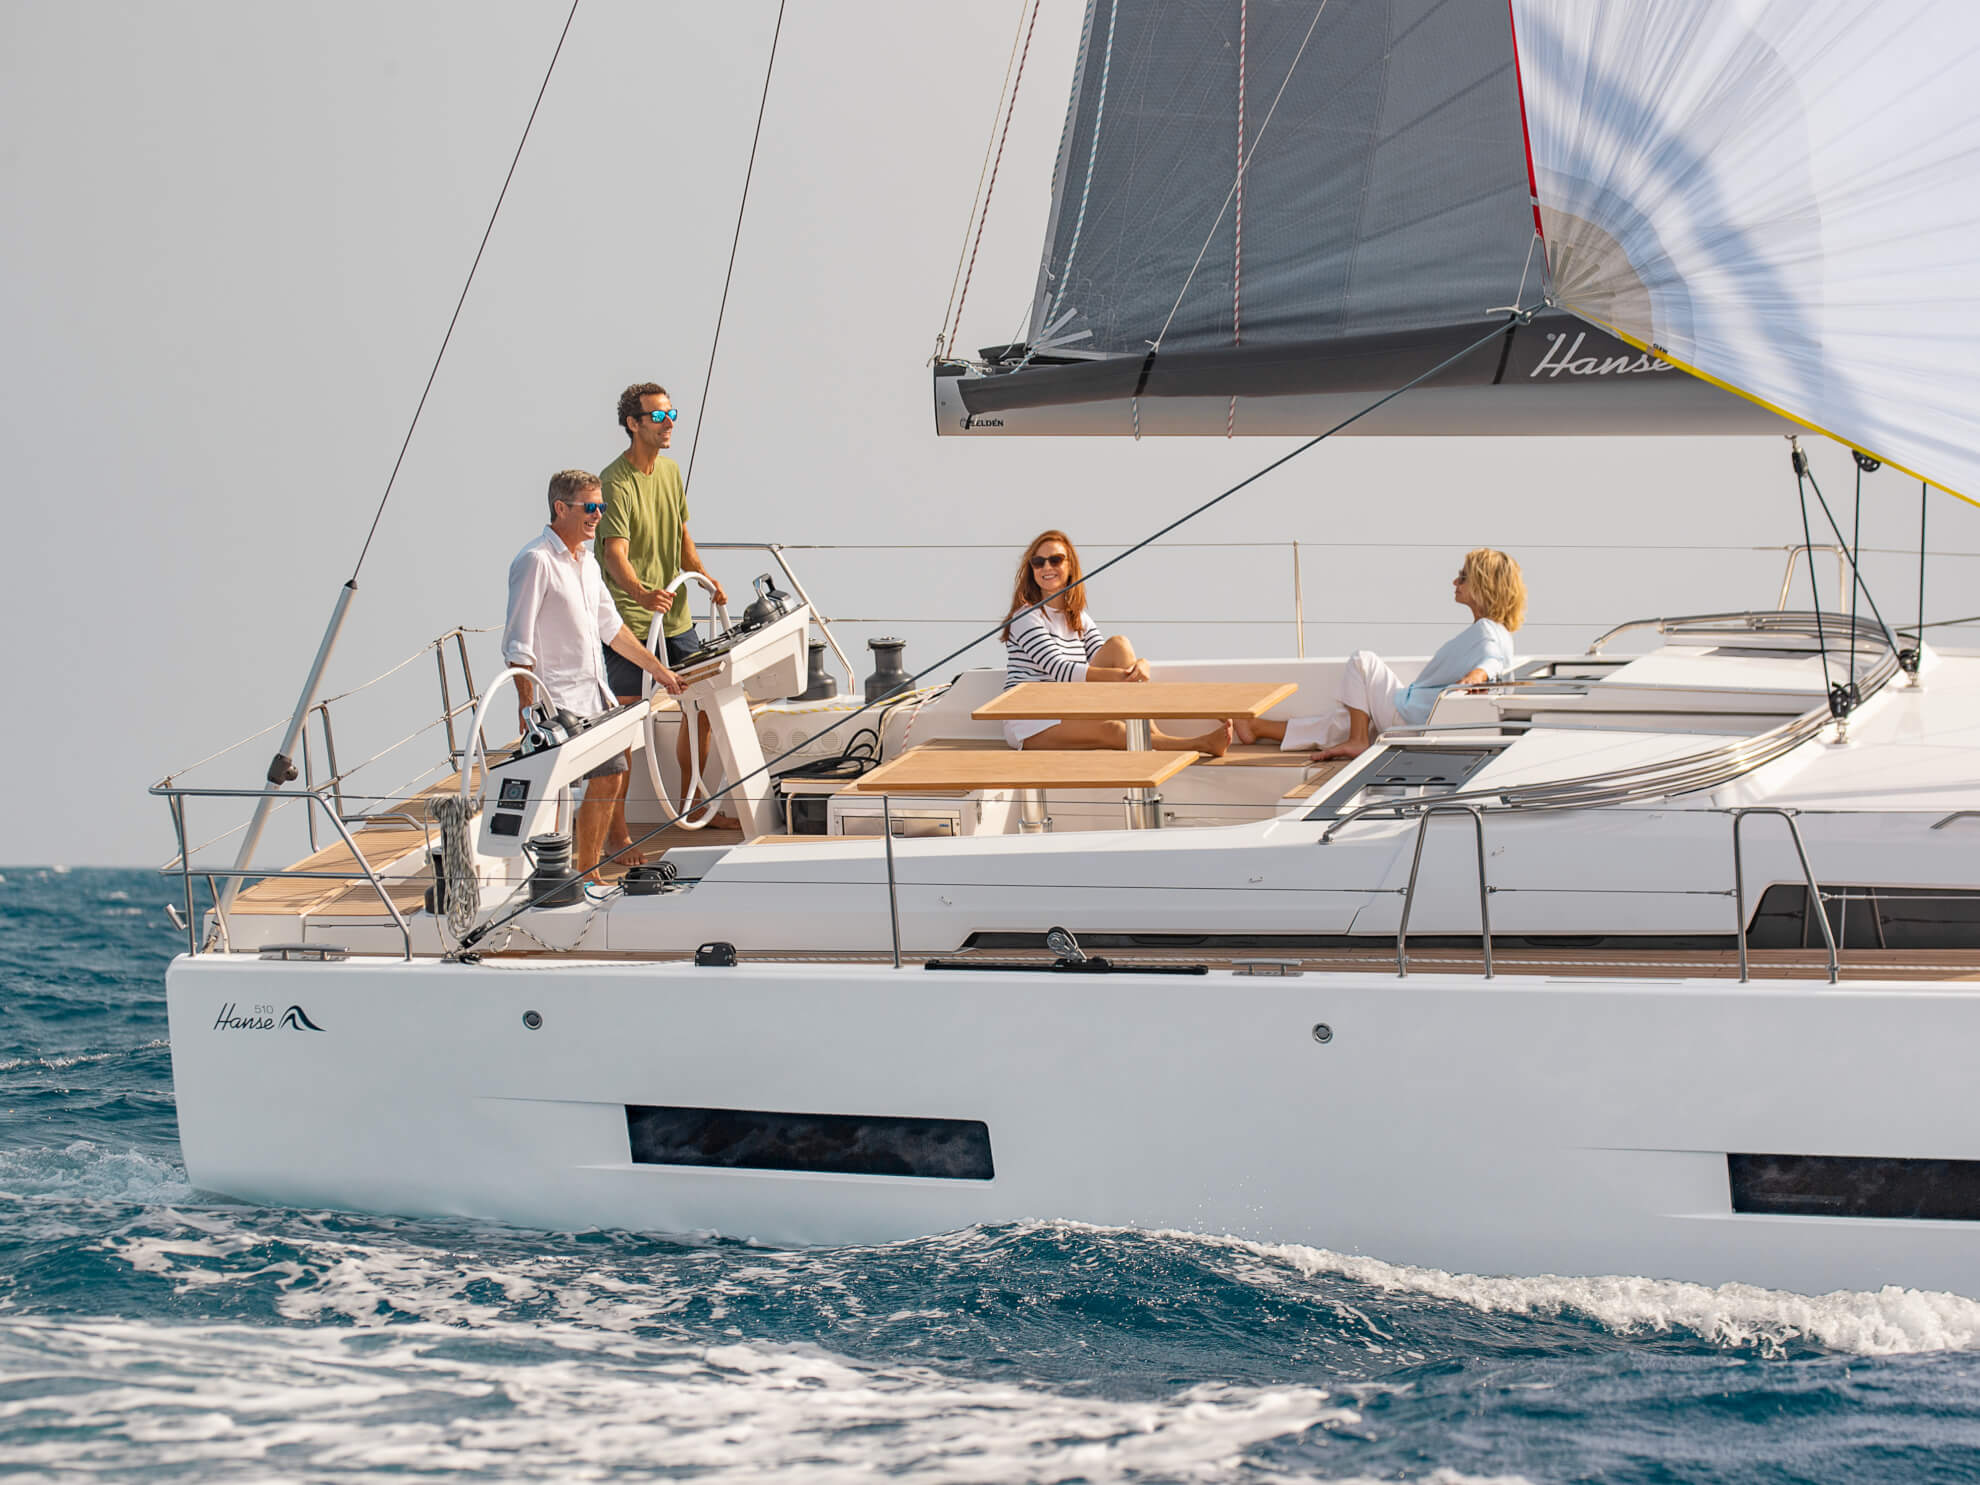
(1783, 198)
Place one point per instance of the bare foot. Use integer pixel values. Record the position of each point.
(1349, 749)
(625, 852)
(1216, 742)
(1245, 732)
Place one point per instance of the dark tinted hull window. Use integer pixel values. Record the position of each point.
(841, 1144)
(1850, 1186)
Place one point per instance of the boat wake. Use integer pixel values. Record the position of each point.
(1884, 1322)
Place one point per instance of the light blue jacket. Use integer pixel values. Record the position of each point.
(1484, 644)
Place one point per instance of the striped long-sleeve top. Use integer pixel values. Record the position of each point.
(1044, 647)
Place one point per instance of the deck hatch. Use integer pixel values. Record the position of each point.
(1855, 1186)
(839, 1144)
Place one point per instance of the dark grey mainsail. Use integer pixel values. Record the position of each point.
(1384, 221)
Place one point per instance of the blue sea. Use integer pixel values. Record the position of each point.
(149, 1330)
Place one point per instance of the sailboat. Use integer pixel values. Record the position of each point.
(1662, 963)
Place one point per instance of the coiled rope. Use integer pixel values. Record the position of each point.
(457, 875)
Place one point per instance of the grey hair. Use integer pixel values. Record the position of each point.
(566, 485)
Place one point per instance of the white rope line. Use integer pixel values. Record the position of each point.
(1208, 237)
(945, 337)
(1086, 189)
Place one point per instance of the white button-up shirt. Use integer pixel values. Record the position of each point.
(560, 619)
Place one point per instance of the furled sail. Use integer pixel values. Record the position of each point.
(1781, 195)
(1383, 221)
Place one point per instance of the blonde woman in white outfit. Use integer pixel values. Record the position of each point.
(1373, 698)
(1060, 642)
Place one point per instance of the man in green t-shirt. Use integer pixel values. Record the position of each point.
(643, 545)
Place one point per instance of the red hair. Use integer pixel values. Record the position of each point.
(1027, 592)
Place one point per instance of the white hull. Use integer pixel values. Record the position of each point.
(1518, 1125)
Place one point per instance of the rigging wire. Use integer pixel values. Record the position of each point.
(945, 338)
(1856, 543)
(1918, 651)
(1800, 462)
(446, 339)
(708, 379)
(475, 936)
(1855, 575)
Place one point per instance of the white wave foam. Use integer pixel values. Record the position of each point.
(59, 1063)
(554, 1400)
(86, 1170)
(1884, 1322)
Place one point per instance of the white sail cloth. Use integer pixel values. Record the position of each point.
(1782, 195)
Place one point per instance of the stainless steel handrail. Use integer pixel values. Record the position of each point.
(177, 795)
(1794, 557)
(1955, 816)
(1409, 892)
(893, 896)
(1799, 622)
(1816, 903)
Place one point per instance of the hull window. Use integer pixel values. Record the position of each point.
(1848, 1186)
(840, 1144)
(1868, 918)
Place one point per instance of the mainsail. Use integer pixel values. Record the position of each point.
(1383, 221)
(1783, 197)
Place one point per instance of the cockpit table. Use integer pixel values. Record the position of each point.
(1138, 704)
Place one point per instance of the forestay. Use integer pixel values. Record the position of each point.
(1783, 197)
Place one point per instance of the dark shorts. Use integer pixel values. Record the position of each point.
(627, 679)
(617, 763)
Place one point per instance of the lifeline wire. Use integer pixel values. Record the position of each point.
(467, 944)
(448, 337)
(734, 242)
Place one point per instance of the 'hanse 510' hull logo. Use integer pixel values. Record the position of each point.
(263, 1018)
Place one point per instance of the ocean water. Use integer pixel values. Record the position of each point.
(146, 1329)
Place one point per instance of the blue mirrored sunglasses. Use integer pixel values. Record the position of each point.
(593, 507)
(664, 414)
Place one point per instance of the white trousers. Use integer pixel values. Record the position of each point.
(1367, 685)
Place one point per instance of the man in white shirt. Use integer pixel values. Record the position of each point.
(560, 620)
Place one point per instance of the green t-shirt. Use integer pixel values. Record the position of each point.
(648, 512)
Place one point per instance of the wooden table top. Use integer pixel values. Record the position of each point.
(1115, 701)
(1098, 768)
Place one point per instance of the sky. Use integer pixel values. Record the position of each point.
(232, 236)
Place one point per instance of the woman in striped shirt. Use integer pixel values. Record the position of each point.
(1060, 642)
